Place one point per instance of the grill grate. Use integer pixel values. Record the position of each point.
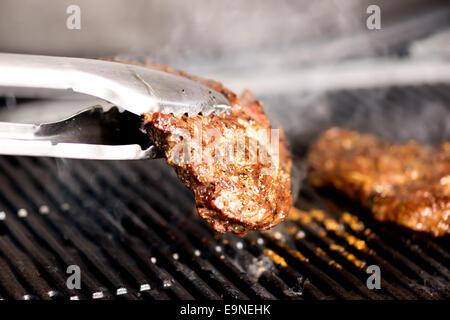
(134, 234)
(132, 229)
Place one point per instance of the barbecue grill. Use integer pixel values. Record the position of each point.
(132, 228)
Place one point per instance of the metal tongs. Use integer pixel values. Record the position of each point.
(108, 133)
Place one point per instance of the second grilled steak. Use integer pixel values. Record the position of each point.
(408, 184)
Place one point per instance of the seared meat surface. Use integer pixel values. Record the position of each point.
(408, 184)
(233, 191)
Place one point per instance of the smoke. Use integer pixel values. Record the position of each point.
(287, 52)
(396, 114)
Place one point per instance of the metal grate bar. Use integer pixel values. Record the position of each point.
(177, 215)
(100, 235)
(47, 235)
(403, 262)
(148, 213)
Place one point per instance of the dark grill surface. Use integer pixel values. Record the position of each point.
(132, 229)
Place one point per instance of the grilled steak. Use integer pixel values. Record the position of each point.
(233, 193)
(407, 184)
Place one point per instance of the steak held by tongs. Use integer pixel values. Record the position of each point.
(233, 194)
(160, 110)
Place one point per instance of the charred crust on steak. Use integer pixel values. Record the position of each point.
(231, 197)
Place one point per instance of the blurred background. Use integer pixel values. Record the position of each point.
(289, 53)
(235, 39)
